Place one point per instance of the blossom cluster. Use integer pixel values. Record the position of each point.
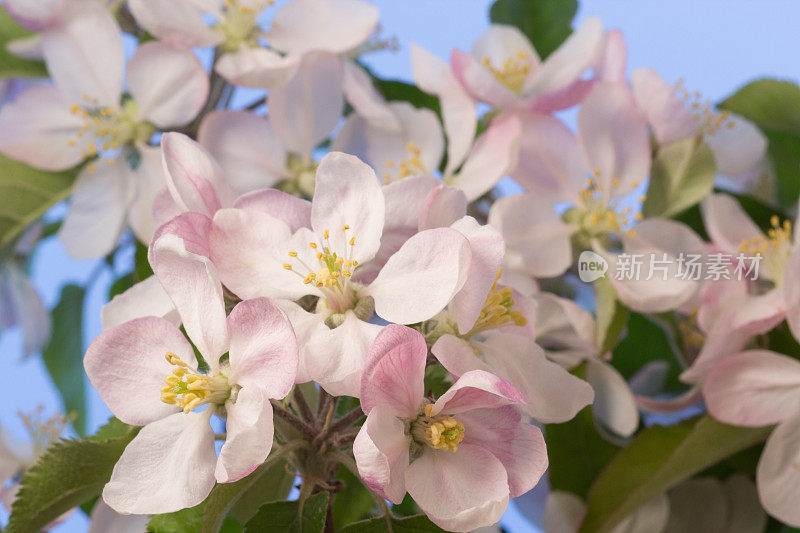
(330, 241)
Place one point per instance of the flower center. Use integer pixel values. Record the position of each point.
(512, 73)
(413, 166)
(498, 310)
(44, 432)
(239, 24)
(707, 119)
(440, 432)
(187, 388)
(332, 273)
(600, 213)
(774, 247)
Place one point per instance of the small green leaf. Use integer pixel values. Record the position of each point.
(184, 521)
(784, 151)
(284, 517)
(683, 174)
(547, 23)
(12, 66)
(437, 380)
(645, 342)
(27, 194)
(63, 355)
(611, 315)
(659, 458)
(68, 474)
(142, 269)
(411, 524)
(772, 104)
(394, 90)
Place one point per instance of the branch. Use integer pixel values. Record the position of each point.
(347, 420)
(302, 404)
(279, 410)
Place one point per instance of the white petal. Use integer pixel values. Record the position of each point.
(738, 145)
(257, 67)
(146, 298)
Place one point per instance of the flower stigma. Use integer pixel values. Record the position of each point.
(439, 432)
(187, 388)
(512, 73)
(775, 247)
(413, 166)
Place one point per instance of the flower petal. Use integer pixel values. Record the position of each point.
(293, 211)
(366, 100)
(611, 61)
(614, 405)
(127, 365)
(665, 111)
(477, 390)
(179, 22)
(727, 223)
(104, 519)
(422, 277)
(150, 181)
(35, 16)
(381, 453)
(258, 68)
(563, 512)
(168, 466)
(169, 84)
(459, 491)
(480, 83)
(263, 348)
(249, 432)
(146, 298)
(443, 206)
(395, 371)
(29, 312)
(460, 121)
(738, 145)
(776, 476)
(428, 69)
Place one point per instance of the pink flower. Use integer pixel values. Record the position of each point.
(760, 388)
(145, 370)
(461, 457)
(276, 245)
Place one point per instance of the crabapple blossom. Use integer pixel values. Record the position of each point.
(472, 437)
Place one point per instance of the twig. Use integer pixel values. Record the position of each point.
(323, 401)
(348, 419)
(306, 429)
(302, 405)
(255, 105)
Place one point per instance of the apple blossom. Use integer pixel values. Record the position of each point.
(472, 437)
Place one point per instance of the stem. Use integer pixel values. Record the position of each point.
(220, 436)
(345, 437)
(255, 105)
(348, 419)
(349, 463)
(302, 404)
(306, 429)
(323, 401)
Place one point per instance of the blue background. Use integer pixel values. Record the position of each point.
(714, 45)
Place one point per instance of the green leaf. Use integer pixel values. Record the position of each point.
(184, 521)
(142, 269)
(659, 458)
(284, 517)
(113, 429)
(63, 355)
(394, 90)
(411, 524)
(12, 66)
(611, 315)
(547, 23)
(683, 173)
(784, 150)
(68, 474)
(353, 502)
(645, 342)
(27, 194)
(242, 499)
(437, 380)
(577, 453)
(772, 104)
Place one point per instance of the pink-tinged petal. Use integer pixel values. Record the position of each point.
(249, 432)
(486, 251)
(537, 241)
(569, 96)
(146, 298)
(501, 42)
(168, 466)
(304, 111)
(419, 145)
(517, 444)
(164, 207)
(258, 68)
(179, 22)
(366, 100)
(305, 325)
(293, 211)
(457, 355)
(127, 365)
(552, 394)
(727, 223)
(97, 209)
(613, 137)
(760, 314)
(613, 56)
(330, 25)
(39, 129)
(460, 121)
(560, 322)
(394, 372)
(443, 206)
(718, 299)
(459, 491)
(263, 348)
(149, 181)
(664, 109)
(428, 69)
(192, 228)
(249, 249)
(776, 476)
(348, 193)
(673, 405)
(479, 82)
(169, 84)
(104, 519)
(738, 145)
(245, 147)
(34, 15)
(84, 53)
(664, 235)
(353, 137)
(194, 179)
(550, 162)
(28, 310)
(791, 292)
(477, 389)
(567, 63)
(381, 453)
(422, 277)
(191, 281)
(335, 358)
(492, 157)
(563, 512)
(753, 388)
(721, 341)
(614, 405)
